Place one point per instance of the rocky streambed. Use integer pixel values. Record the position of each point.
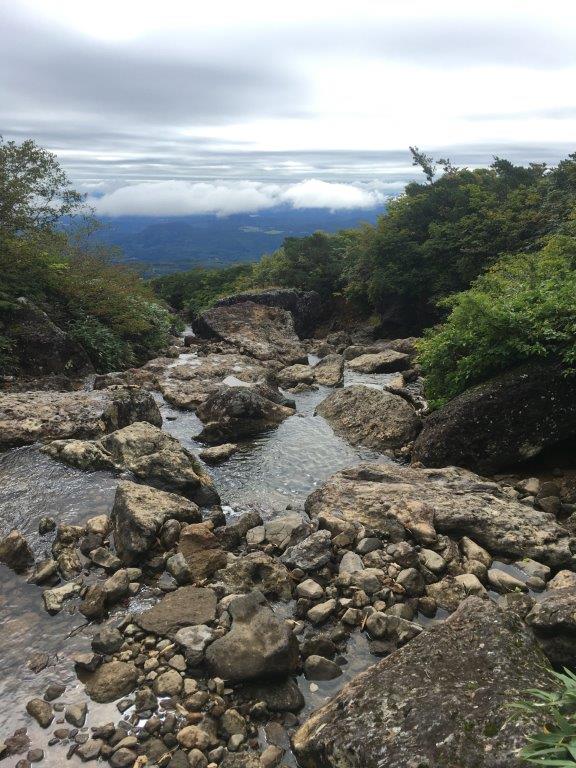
(160, 608)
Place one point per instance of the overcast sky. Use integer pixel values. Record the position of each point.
(185, 106)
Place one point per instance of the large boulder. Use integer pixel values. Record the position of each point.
(266, 333)
(149, 453)
(26, 417)
(502, 422)
(304, 306)
(40, 346)
(451, 501)
(233, 413)
(388, 361)
(441, 700)
(187, 606)
(370, 417)
(259, 645)
(139, 512)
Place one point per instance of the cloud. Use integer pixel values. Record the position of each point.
(223, 198)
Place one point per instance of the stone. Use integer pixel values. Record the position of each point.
(553, 619)
(295, 374)
(54, 691)
(350, 563)
(319, 668)
(185, 607)
(278, 695)
(193, 737)
(562, 580)
(15, 552)
(311, 553)
(502, 422)
(201, 550)
(145, 700)
(286, 530)
(432, 561)
(55, 598)
(233, 723)
(237, 412)
(194, 641)
(99, 525)
(321, 612)
(259, 645)
(75, 714)
(502, 581)
(440, 700)
(388, 361)
(177, 566)
(111, 681)
(329, 371)
(138, 514)
(43, 571)
(169, 683)
(257, 571)
(431, 500)
(123, 758)
(473, 551)
(107, 640)
(105, 559)
(218, 453)
(89, 750)
(310, 590)
(241, 760)
(41, 711)
(117, 586)
(387, 626)
(370, 417)
(27, 417)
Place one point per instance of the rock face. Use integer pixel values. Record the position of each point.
(370, 417)
(185, 607)
(304, 306)
(266, 333)
(501, 422)
(236, 412)
(388, 361)
(329, 372)
(442, 700)
(138, 514)
(451, 500)
(259, 645)
(41, 346)
(26, 417)
(149, 453)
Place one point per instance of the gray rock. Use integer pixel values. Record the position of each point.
(311, 553)
(388, 361)
(15, 552)
(553, 619)
(107, 640)
(41, 711)
(187, 606)
(179, 568)
(257, 571)
(55, 598)
(218, 453)
(112, 681)
(319, 668)
(75, 714)
(194, 641)
(329, 372)
(169, 683)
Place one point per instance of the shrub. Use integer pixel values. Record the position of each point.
(104, 348)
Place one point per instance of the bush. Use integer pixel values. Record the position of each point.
(104, 348)
(523, 308)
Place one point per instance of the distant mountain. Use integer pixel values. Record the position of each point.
(163, 245)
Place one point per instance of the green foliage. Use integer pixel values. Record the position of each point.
(199, 288)
(555, 745)
(105, 348)
(523, 308)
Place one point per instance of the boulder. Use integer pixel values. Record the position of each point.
(388, 361)
(503, 422)
(201, 550)
(149, 453)
(185, 607)
(265, 333)
(257, 571)
(553, 619)
(26, 417)
(138, 514)
(370, 417)
(15, 552)
(441, 700)
(111, 681)
(218, 453)
(329, 372)
(310, 553)
(451, 501)
(294, 375)
(259, 645)
(304, 306)
(233, 413)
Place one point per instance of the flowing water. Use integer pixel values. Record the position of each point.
(273, 471)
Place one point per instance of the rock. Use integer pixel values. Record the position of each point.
(310, 590)
(102, 557)
(432, 561)
(241, 760)
(386, 626)
(286, 530)
(311, 553)
(111, 681)
(473, 551)
(201, 550)
(145, 700)
(169, 683)
(54, 691)
(266, 333)
(503, 422)
(41, 711)
(257, 571)
(233, 413)
(562, 580)
(99, 525)
(294, 375)
(259, 645)
(304, 306)
(194, 640)
(320, 613)
(329, 372)
(425, 500)
(123, 758)
(278, 696)
(54, 598)
(185, 607)
(193, 737)
(388, 361)
(108, 640)
(30, 416)
(117, 586)
(146, 451)
(177, 566)
(86, 662)
(218, 453)
(319, 668)
(502, 581)
(233, 723)
(75, 714)
(370, 417)
(15, 552)
(89, 750)
(440, 700)
(553, 619)
(350, 563)
(138, 514)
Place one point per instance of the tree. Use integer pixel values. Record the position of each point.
(425, 162)
(34, 190)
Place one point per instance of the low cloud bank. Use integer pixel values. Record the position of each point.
(183, 198)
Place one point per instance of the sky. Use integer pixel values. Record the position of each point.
(189, 106)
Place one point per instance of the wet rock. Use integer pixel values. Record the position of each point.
(86, 662)
(502, 581)
(398, 714)
(259, 645)
(54, 691)
(89, 750)
(30, 416)
(46, 525)
(241, 760)
(93, 604)
(502, 422)
(329, 372)
(123, 758)
(75, 714)
(388, 361)
(107, 640)
(105, 559)
(429, 500)
(41, 711)
(386, 626)
(257, 571)
(185, 607)
(319, 668)
(553, 619)
(15, 552)
(55, 598)
(111, 681)
(278, 696)
(193, 737)
(233, 413)
(202, 551)
(218, 453)
(286, 530)
(311, 553)
(370, 417)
